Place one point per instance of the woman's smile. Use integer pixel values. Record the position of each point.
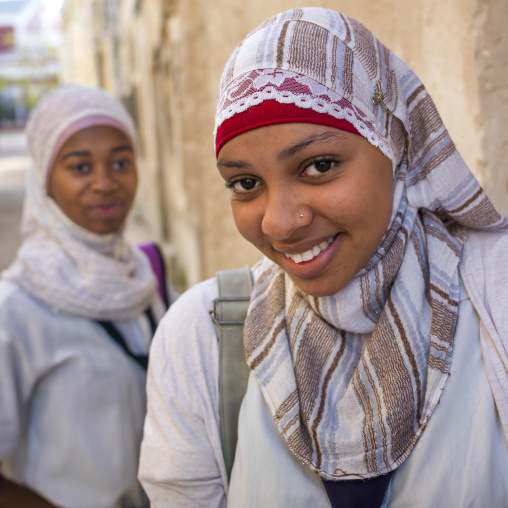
(107, 210)
(313, 261)
(316, 200)
(310, 254)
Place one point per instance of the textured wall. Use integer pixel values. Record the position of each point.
(491, 64)
(451, 45)
(165, 58)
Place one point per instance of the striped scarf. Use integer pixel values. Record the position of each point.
(352, 379)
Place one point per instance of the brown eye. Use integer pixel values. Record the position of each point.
(121, 164)
(247, 184)
(80, 169)
(323, 166)
(243, 185)
(319, 167)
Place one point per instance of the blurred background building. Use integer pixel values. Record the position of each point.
(163, 59)
(30, 64)
(30, 39)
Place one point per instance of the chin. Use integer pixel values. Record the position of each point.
(318, 294)
(104, 229)
(317, 288)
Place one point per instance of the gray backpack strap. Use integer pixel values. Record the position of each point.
(228, 314)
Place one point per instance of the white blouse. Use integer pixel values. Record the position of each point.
(456, 463)
(72, 404)
(460, 460)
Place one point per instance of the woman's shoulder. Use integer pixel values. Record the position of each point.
(485, 275)
(17, 305)
(23, 318)
(486, 242)
(193, 304)
(187, 331)
(193, 307)
(187, 328)
(485, 255)
(9, 291)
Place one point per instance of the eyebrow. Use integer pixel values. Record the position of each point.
(289, 151)
(77, 153)
(313, 139)
(232, 164)
(86, 153)
(121, 148)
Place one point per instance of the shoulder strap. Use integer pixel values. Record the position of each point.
(114, 333)
(228, 314)
(154, 255)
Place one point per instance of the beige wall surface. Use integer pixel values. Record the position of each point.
(164, 58)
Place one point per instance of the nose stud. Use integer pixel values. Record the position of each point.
(301, 216)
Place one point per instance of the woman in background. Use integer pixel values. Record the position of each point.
(78, 308)
(376, 334)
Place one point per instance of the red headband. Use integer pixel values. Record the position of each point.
(271, 112)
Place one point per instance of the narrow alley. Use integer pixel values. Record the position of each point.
(14, 161)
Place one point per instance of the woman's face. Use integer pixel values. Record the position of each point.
(94, 179)
(315, 200)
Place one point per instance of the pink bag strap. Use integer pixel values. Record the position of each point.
(154, 255)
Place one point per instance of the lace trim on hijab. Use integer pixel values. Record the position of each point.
(286, 87)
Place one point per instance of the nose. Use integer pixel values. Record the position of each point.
(103, 179)
(284, 214)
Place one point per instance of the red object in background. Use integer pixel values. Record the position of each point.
(6, 38)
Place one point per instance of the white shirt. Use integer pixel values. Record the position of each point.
(72, 404)
(460, 460)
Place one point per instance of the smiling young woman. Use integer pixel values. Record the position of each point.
(72, 398)
(375, 334)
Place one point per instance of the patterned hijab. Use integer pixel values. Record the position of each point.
(352, 379)
(70, 269)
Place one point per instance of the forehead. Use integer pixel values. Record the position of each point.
(286, 139)
(96, 138)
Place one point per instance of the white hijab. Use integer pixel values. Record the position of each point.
(68, 268)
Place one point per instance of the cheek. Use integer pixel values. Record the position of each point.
(248, 221)
(61, 192)
(132, 188)
(378, 211)
(364, 209)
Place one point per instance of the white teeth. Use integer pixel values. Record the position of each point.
(311, 253)
(307, 256)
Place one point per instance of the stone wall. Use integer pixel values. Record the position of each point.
(164, 58)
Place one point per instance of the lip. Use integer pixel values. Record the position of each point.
(302, 247)
(106, 210)
(312, 268)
